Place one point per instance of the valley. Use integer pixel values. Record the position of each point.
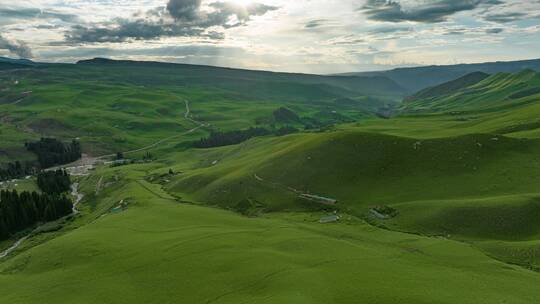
(436, 203)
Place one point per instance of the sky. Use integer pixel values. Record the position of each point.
(311, 36)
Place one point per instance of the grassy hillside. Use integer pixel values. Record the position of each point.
(362, 169)
(260, 81)
(459, 171)
(449, 88)
(469, 179)
(498, 92)
(157, 250)
(125, 105)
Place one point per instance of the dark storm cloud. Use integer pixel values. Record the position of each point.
(124, 30)
(184, 9)
(180, 18)
(431, 12)
(190, 10)
(16, 47)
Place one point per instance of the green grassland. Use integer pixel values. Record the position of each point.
(228, 225)
(498, 92)
(362, 169)
(27, 184)
(114, 106)
(159, 249)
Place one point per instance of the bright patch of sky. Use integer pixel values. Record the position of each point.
(314, 36)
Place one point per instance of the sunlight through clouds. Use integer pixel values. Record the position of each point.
(305, 35)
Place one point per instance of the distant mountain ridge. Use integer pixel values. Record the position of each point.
(476, 92)
(449, 87)
(17, 61)
(363, 85)
(418, 78)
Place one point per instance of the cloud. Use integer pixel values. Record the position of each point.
(316, 23)
(494, 30)
(346, 40)
(16, 47)
(425, 11)
(34, 13)
(506, 17)
(180, 51)
(141, 29)
(388, 30)
(180, 18)
(184, 9)
(224, 11)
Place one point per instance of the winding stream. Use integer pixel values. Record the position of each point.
(78, 197)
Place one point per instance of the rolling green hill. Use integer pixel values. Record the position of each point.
(245, 223)
(158, 249)
(259, 82)
(449, 88)
(123, 105)
(498, 92)
(362, 169)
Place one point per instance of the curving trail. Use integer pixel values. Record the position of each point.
(91, 161)
(157, 143)
(26, 94)
(88, 161)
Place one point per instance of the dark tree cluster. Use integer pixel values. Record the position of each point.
(219, 139)
(119, 155)
(284, 115)
(52, 152)
(16, 170)
(19, 211)
(148, 157)
(54, 182)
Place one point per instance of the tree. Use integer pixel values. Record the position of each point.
(54, 182)
(218, 139)
(19, 211)
(16, 170)
(147, 156)
(52, 152)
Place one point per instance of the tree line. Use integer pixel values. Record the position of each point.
(16, 170)
(54, 182)
(19, 211)
(219, 139)
(52, 152)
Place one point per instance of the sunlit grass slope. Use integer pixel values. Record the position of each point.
(463, 180)
(480, 188)
(498, 92)
(364, 169)
(160, 251)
